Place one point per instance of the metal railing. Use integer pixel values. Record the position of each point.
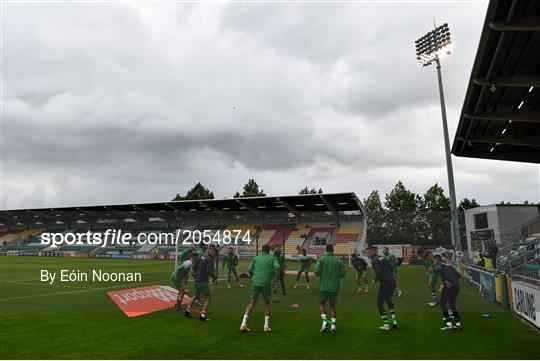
(530, 281)
(509, 237)
(519, 265)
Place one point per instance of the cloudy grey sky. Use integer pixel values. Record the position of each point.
(119, 102)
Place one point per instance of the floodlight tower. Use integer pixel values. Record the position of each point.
(430, 48)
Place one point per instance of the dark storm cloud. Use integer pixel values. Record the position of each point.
(136, 102)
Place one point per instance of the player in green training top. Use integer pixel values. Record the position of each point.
(231, 261)
(184, 256)
(391, 259)
(279, 277)
(201, 251)
(330, 269)
(433, 277)
(305, 263)
(261, 269)
(204, 271)
(361, 266)
(179, 278)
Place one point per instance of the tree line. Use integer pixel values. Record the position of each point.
(403, 217)
(250, 189)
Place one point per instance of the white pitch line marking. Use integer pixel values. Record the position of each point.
(69, 292)
(43, 284)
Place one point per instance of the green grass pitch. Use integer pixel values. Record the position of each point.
(79, 320)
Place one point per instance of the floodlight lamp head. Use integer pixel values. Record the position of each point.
(436, 44)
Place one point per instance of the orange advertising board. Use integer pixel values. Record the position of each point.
(143, 300)
(75, 254)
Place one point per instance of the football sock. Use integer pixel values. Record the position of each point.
(446, 318)
(383, 316)
(393, 314)
(324, 323)
(244, 321)
(266, 321)
(333, 319)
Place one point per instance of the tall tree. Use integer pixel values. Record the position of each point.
(465, 203)
(251, 189)
(436, 215)
(306, 190)
(197, 192)
(376, 214)
(402, 206)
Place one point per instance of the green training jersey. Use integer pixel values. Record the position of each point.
(330, 269)
(230, 260)
(185, 255)
(201, 252)
(391, 259)
(305, 262)
(429, 266)
(262, 268)
(280, 260)
(182, 270)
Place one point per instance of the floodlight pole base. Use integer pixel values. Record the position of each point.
(455, 234)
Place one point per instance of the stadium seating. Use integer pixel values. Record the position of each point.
(146, 248)
(165, 249)
(320, 228)
(244, 227)
(344, 248)
(32, 232)
(294, 242)
(8, 237)
(275, 234)
(265, 235)
(280, 236)
(345, 237)
(317, 250)
(293, 237)
(85, 248)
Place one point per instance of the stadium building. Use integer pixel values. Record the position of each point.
(500, 224)
(288, 222)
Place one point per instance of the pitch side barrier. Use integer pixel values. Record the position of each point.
(520, 294)
(483, 280)
(525, 293)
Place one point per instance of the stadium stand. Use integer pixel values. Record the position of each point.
(32, 232)
(282, 234)
(25, 241)
(146, 248)
(294, 242)
(265, 235)
(271, 220)
(346, 237)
